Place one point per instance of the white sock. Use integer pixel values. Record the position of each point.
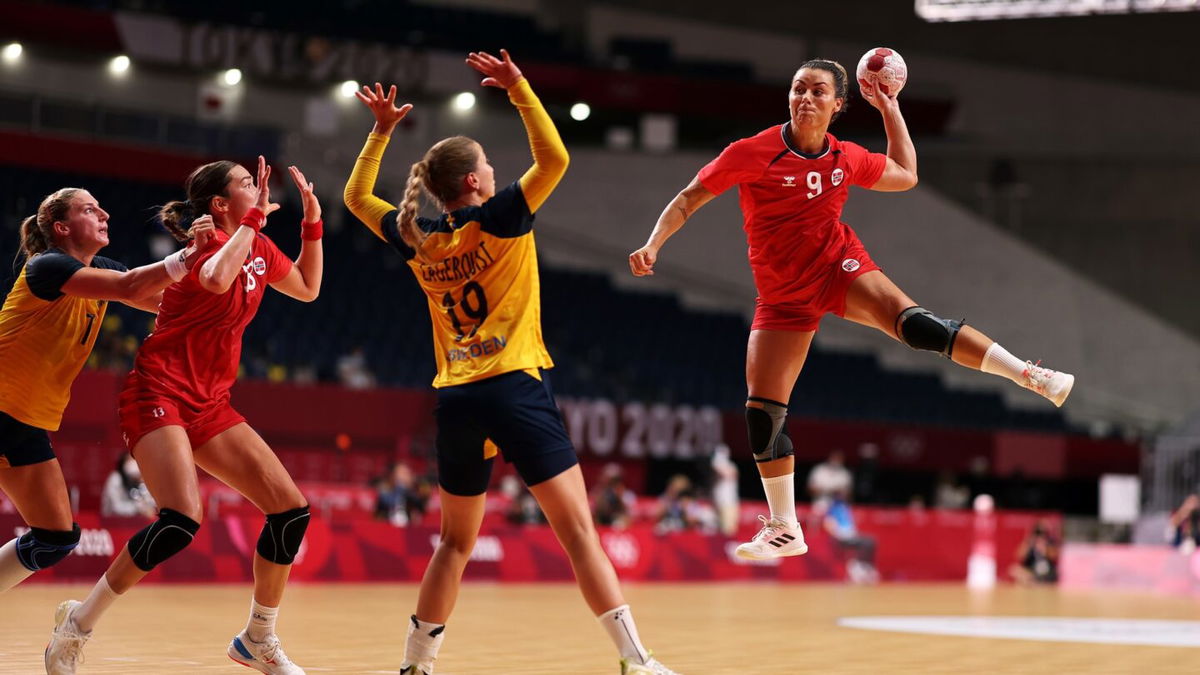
(997, 361)
(618, 621)
(781, 497)
(262, 621)
(12, 572)
(101, 597)
(424, 641)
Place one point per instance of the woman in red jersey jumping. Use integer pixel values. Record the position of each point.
(175, 411)
(793, 180)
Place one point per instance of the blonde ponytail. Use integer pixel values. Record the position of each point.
(406, 221)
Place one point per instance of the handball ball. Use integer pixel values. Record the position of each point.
(883, 68)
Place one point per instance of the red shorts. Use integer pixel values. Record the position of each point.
(142, 411)
(804, 314)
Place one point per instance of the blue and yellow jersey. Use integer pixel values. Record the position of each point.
(45, 338)
(481, 278)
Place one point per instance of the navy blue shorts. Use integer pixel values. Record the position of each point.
(21, 444)
(514, 411)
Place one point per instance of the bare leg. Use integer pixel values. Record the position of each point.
(873, 300)
(241, 459)
(39, 492)
(461, 518)
(564, 501)
(773, 362)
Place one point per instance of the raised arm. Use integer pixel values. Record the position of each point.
(358, 194)
(218, 272)
(303, 281)
(687, 202)
(550, 157)
(901, 171)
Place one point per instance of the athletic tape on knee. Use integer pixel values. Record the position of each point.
(38, 549)
(766, 425)
(163, 538)
(918, 328)
(280, 539)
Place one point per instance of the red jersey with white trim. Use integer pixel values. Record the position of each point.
(193, 353)
(792, 206)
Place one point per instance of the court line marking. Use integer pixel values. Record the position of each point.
(1150, 632)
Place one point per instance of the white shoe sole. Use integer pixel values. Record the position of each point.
(749, 555)
(1066, 391)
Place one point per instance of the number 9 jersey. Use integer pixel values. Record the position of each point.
(483, 290)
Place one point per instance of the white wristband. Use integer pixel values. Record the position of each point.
(176, 269)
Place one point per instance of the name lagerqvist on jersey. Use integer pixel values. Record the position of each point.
(459, 267)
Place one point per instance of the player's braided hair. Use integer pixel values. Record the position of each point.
(206, 182)
(37, 231)
(440, 173)
(841, 81)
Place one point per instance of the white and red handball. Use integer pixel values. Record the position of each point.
(884, 69)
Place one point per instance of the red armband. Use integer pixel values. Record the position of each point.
(312, 231)
(254, 219)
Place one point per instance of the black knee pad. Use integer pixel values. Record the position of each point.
(163, 538)
(918, 328)
(280, 539)
(38, 549)
(766, 424)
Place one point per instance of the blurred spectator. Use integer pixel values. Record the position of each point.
(725, 490)
(673, 506)
(839, 523)
(353, 371)
(827, 478)
(1036, 557)
(1184, 532)
(612, 500)
(399, 498)
(949, 494)
(124, 492)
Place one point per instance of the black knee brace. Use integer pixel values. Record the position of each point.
(38, 549)
(920, 329)
(280, 539)
(163, 538)
(767, 428)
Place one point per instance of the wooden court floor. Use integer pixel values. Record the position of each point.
(695, 628)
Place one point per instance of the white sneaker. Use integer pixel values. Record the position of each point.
(266, 656)
(65, 650)
(651, 667)
(776, 539)
(1052, 384)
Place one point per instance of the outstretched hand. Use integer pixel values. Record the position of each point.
(202, 233)
(387, 115)
(312, 207)
(500, 72)
(263, 202)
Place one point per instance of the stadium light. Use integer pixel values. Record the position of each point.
(12, 52)
(119, 65)
(580, 111)
(348, 88)
(464, 101)
(232, 76)
(984, 10)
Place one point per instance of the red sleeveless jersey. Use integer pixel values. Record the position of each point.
(792, 206)
(193, 353)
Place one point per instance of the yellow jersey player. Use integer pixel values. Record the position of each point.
(477, 265)
(48, 325)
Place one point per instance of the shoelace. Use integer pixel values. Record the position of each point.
(1036, 376)
(273, 652)
(769, 528)
(72, 642)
